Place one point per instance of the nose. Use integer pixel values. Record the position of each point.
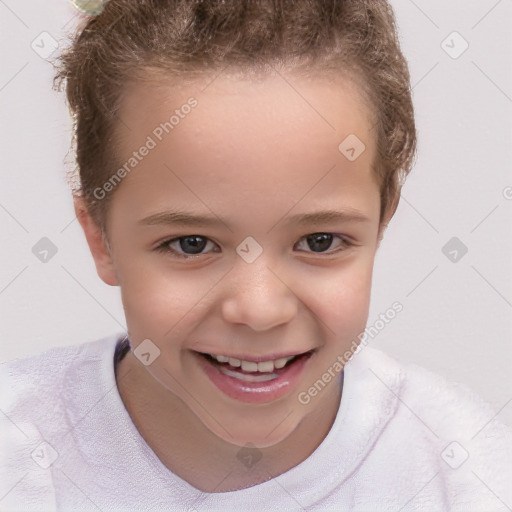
(258, 297)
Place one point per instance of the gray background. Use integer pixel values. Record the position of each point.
(457, 315)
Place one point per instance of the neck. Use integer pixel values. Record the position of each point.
(198, 456)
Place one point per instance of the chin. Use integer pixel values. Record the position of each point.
(257, 439)
(252, 433)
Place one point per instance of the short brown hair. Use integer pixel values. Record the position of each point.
(131, 39)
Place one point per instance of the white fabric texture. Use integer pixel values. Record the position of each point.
(404, 439)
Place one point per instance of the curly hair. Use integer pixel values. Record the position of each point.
(131, 40)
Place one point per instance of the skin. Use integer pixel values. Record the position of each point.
(253, 153)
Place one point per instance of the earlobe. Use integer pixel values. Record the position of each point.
(99, 250)
(388, 215)
(380, 235)
(392, 207)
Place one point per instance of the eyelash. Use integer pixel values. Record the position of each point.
(166, 249)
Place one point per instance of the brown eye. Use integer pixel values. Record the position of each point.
(185, 246)
(195, 244)
(321, 242)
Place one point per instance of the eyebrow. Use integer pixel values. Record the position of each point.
(324, 216)
(179, 217)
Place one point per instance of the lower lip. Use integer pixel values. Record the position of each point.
(256, 392)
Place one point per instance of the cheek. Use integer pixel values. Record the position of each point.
(157, 301)
(342, 300)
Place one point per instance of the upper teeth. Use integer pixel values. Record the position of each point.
(252, 366)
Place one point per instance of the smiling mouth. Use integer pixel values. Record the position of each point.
(251, 371)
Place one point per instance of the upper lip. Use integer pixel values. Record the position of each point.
(256, 358)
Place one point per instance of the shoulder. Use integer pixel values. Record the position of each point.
(34, 379)
(42, 397)
(444, 431)
(449, 405)
(40, 388)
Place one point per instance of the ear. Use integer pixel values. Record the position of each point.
(99, 250)
(387, 216)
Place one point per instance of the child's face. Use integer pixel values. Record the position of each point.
(252, 157)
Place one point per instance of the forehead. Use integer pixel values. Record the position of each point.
(284, 104)
(244, 139)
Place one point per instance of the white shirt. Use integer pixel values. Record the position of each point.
(403, 439)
